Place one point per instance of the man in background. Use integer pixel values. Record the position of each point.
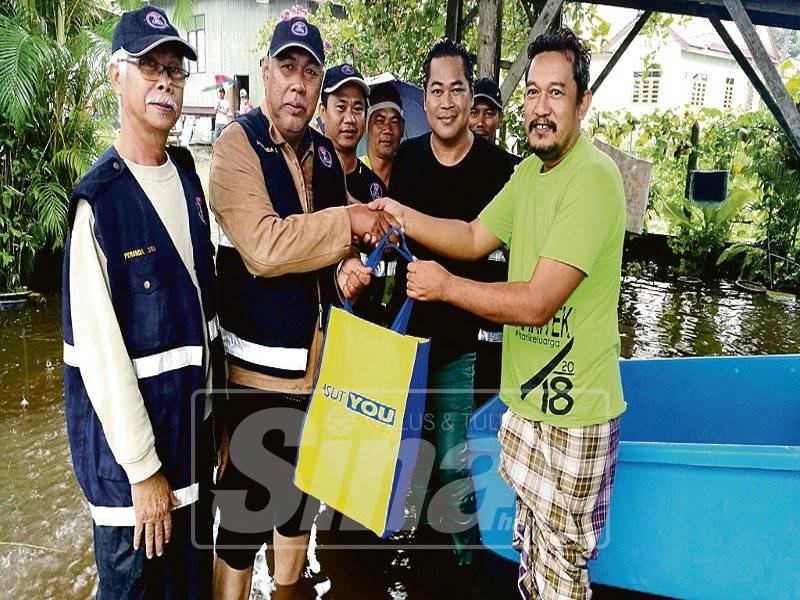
(486, 114)
(222, 113)
(342, 108)
(385, 128)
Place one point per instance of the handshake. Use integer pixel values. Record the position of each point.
(369, 222)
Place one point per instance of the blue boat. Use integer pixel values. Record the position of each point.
(706, 502)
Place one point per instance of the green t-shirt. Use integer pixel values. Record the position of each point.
(566, 372)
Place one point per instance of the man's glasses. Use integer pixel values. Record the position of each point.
(152, 70)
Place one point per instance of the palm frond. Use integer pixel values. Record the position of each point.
(183, 13)
(49, 200)
(76, 161)
(23, 65)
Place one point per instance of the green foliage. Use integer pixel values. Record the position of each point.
(53, 89)
(764, 208)
(368, 34)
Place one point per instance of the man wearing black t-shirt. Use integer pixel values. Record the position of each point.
(449, 173)
(342, 107)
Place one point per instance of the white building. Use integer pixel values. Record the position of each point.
(226, 36)
(693, 69)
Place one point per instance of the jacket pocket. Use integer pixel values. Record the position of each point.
(149, 310)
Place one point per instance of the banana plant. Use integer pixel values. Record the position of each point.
(701, 231)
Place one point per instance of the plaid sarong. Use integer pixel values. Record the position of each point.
(563, 478)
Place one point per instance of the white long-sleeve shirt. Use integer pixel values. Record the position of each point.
(105, 366)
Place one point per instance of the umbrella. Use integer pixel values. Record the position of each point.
(219, 81)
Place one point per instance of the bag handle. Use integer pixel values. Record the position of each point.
(400, 323)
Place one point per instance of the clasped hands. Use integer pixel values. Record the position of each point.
(427, 280)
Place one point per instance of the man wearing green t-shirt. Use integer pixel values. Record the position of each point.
(562, 214)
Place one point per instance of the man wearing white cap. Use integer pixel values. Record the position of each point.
(385, 128)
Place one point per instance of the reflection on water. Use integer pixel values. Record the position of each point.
(666, 319)
(45, 529)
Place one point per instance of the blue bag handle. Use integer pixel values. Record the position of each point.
(400, 323)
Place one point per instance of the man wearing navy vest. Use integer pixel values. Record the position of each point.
(141, 336)
(278, 192)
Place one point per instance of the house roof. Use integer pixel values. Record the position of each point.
(774, 13)
(698, 35)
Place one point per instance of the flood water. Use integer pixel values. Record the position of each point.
(45, 529)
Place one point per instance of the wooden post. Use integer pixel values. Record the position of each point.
(545, 19)
(453, 24)
(643, 18)
(489, 15)
(782, 100)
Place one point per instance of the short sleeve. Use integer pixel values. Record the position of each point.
(586, 218)
(498, 216)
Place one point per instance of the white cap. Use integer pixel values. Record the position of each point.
(242, 92)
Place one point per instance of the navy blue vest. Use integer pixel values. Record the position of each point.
(160, 319)
(268, 322)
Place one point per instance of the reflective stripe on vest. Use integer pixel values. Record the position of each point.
(288, 359)
(213, 329)
(150, 366)
(385, 268)
(124, 516)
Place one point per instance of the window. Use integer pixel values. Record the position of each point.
(196, 36)
(727, 100)
(699, 89)
(646, 86)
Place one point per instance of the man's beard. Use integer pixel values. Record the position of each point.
(549, 152)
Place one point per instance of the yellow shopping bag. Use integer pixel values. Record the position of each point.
(361, 434)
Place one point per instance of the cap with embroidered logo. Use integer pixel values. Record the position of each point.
(297, 33)
(139, 31)
(337, 76)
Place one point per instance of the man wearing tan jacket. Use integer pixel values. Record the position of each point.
(278, 191)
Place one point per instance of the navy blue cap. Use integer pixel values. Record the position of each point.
(140, 31)
(337, 76)
(297, 33)
(487, 88)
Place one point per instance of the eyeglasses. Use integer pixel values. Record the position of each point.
(152, 70)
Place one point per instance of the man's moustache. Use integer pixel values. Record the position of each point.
(535, 123)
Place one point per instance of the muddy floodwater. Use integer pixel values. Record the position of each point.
(45, 529)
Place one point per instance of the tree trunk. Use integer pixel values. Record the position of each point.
(453, 23)
(490, 13)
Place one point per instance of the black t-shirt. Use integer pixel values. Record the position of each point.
(458, 192)
(513, 159)
(364, 185)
